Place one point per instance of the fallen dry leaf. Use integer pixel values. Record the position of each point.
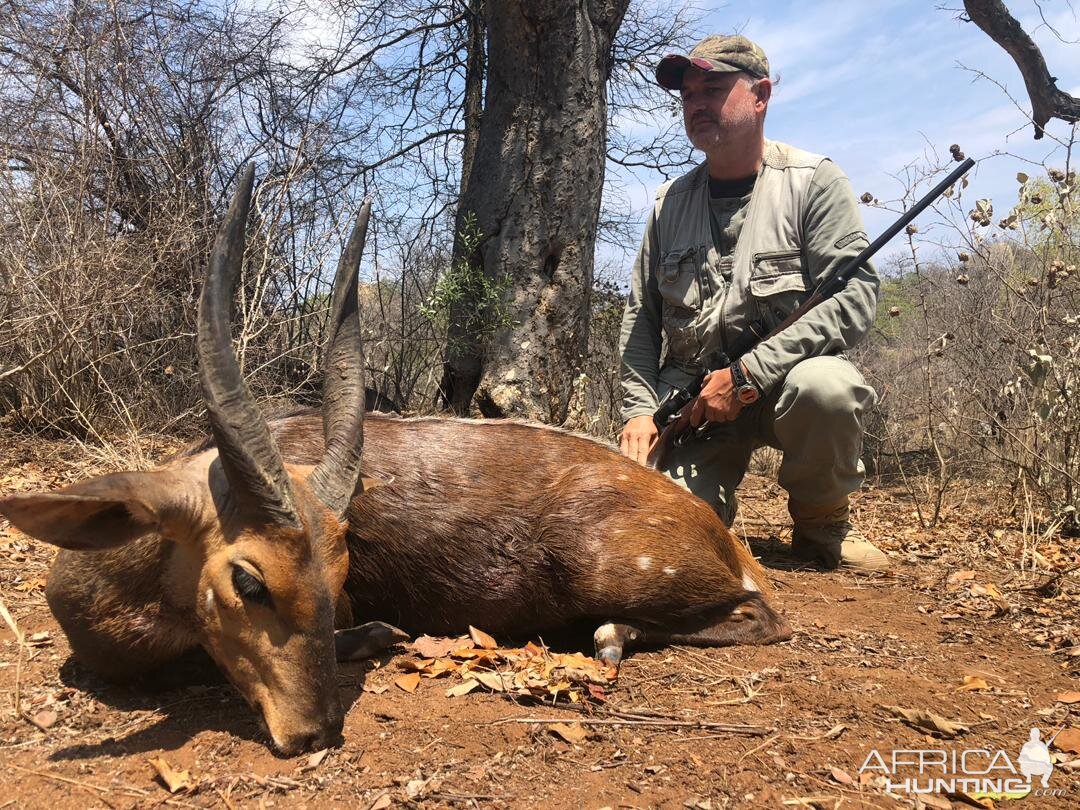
(382, 802)
(433, 647)
(413, 665)
(1068, 697)
(440, 667)
(408, 683)
(492, 680)
(463, 688)
(529, 671)
(315, 760)
(482, 639)
(44, 719)
(973, 683)
(924, 720)
(957, 577)
(841, 776)
(1068, 740)
(175, 780)
(375, 690)
(986, 590)
(571, 732)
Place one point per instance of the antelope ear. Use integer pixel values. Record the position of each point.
(367, 483)
(99, 513)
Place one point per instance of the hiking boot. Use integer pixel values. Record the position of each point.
(825, 535)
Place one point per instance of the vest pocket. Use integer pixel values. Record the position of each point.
(778, 272)
(678, 279)
(680, 288)
(778, 284)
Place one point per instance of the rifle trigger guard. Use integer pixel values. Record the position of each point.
(700, 432)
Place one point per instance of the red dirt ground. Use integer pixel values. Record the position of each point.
(960, 604)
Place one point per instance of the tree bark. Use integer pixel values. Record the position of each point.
(534, 189)
(1047, 101)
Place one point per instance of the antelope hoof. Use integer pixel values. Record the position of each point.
(611, 640)
(366, 640)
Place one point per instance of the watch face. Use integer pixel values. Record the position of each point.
(748, 394)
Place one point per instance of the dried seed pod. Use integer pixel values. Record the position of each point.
(894, 312)
(866, 198)
(911, 229)
(963, 256)
(962, 279)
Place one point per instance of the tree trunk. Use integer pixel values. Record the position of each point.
(534, 189)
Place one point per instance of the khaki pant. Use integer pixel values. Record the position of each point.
(814, 417)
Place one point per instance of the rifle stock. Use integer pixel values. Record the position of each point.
(672, 417)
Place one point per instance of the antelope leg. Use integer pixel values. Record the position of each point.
(366, 640)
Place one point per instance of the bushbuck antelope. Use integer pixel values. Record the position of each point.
(260, 541)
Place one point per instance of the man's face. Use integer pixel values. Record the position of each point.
(721, 109)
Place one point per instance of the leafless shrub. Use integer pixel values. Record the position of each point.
(977, 356)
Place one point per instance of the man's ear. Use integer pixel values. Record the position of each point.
(103, 512)
(763, 89)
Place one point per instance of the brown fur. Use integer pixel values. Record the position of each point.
(517, 527)
(510, 527)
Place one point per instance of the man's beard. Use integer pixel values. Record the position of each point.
(710, 134)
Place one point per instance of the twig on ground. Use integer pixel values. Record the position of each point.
(754, 731)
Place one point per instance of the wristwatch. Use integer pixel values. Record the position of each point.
(745, 391)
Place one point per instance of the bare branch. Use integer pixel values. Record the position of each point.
(1047, 101)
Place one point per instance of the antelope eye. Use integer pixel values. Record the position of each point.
(249, 587)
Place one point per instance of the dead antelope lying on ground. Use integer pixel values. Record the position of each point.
(258, 543)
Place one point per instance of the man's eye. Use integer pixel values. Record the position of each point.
(249, 588)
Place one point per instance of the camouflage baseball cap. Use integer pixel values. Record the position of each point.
(724, 54)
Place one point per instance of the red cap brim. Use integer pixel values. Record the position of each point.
(669, 73)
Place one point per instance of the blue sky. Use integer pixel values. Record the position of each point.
(878, 84)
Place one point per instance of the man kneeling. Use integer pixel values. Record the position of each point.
(747, 236)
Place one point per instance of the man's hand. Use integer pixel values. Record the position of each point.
(638, 437)
(717, 401)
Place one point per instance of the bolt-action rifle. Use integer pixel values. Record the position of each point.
(672, 417)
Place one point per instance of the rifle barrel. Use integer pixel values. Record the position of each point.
(851, 267)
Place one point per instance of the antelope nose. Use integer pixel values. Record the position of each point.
(312, 740)
(329, 732)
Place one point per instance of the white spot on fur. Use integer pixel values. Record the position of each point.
(209, 599)
(644, 562)
(669, 570)
(654, 522)
(605, 635)
(622, 477)
(748, 583)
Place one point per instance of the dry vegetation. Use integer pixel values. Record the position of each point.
(976, 355)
